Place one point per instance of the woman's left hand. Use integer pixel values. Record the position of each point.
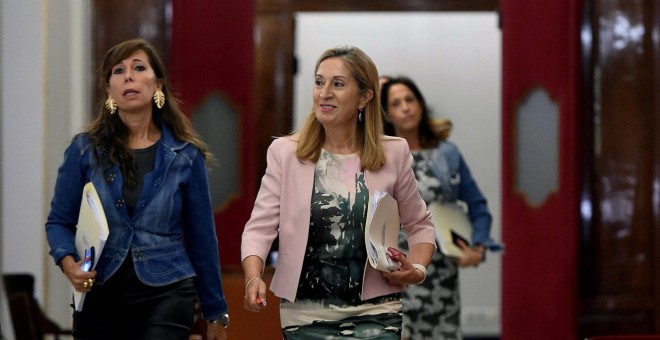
(216, 331)
(471, 256)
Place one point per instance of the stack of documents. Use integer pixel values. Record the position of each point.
(382, 230)
(91, 233)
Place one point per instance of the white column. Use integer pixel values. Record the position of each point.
(46, 75)
(70, 80)
(22, 111)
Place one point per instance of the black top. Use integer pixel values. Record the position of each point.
(144, 160)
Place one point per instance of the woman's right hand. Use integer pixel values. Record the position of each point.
(255, 294)
(81, 280)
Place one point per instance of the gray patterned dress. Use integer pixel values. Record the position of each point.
(431, 310)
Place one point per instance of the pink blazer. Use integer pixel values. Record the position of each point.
(283, 206)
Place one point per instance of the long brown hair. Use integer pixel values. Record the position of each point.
(369, 132)
(108, 130)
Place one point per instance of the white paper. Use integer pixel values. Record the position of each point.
(91, 231)
(382, 230)
(448, 219)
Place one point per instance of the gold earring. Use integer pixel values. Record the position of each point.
(159, 98)
(111, 105)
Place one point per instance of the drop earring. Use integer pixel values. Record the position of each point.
(159, 99)
(360, 112)
(111, 105)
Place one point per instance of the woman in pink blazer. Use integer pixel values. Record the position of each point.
(314, 196)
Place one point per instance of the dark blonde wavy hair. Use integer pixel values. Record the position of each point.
(370, 130)
(109, 132)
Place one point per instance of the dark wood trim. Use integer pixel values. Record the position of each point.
(265, 6)
(654, 11)
(587, 278)
(396, 5)
(619, 285)
(273, 74)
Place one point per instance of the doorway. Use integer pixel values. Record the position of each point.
(455, 59)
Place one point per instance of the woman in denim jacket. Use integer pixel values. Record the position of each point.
(431, 310)
(149, 170)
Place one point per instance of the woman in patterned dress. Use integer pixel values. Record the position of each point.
(431, 310)
(314, 196)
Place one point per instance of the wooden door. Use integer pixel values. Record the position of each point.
(620, 265)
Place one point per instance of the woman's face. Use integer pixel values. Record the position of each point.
(337, 96)
(133, 83)
(404, 111)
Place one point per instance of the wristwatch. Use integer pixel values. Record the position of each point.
(224, 320)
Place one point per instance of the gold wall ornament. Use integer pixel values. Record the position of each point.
(159, 98)
(111, 105)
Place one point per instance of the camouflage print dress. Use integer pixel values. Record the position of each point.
(431, 310)
(328, 304)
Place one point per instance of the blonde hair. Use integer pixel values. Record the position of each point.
(442, 127)
(369, 132)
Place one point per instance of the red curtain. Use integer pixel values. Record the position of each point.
(539, 267)
(212, 52)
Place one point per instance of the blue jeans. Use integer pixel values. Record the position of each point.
(125, 308)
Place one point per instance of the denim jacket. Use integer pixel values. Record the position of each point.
(458, 185)
(171, 234)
